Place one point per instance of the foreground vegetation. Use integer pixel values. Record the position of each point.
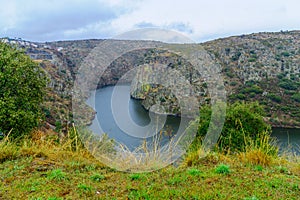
(22, 89)
(51, 168)
(46, 165)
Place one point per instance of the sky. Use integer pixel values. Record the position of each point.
(199, 20)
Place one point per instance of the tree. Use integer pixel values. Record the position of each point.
(242, 121)
(22, 89)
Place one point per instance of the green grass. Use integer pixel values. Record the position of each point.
(223, 169)
(42, 170)
(243, 182)
(97, 177)
(56, 174)
(194, 172)
(135, 176)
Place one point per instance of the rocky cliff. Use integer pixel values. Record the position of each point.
(262, 67)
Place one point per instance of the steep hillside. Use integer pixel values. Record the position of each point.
(263, 67)
(260, 67)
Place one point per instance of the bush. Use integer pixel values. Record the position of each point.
(243, 120)
(288, 84)
(253, 88)
(252, 95)
(281, 76)
(22, 89)
(285, 54)
(251, 59)
(241, 96)
(274, 97)
(236, 56)
(230, 74)
(233, 83)
(296, 97)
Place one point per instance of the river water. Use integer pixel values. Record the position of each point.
(287, 139)
(138, 114)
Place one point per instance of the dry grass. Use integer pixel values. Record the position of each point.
(150, 155)
(256, 157)
(46, 147)
(144, 158)
(194, 157)
(147, 157)
(260, 151)
(29, 170)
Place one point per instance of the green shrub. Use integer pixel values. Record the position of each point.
(288, 84)
(296, 97)
(285, 54)
(251, 83)
(243, 120)
(230, 74)
(281, 75)
(289, 92)
(251, 59)
(22, 89)
(252, 94)
(236, 56)
(274, 97)
(58, 126)
(241, 96)
(233, 83)
(252, 88)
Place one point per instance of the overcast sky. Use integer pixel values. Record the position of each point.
(200, 20)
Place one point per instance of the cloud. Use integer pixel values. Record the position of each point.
(198, 19)
(42, 20)
(202, 20)
(145, 25)
(180, 26)
(155, 34)
(177, 26)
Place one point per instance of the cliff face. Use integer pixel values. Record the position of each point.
(262, 67)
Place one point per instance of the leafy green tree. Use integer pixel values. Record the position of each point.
(242, 121)
(22, 89)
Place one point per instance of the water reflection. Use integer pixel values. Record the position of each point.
(138, 114)
(288, 139)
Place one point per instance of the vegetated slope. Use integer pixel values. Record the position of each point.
(261, 66)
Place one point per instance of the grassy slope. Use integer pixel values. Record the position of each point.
(45, 170)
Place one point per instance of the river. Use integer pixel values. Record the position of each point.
(287, 139)
(138, 114)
